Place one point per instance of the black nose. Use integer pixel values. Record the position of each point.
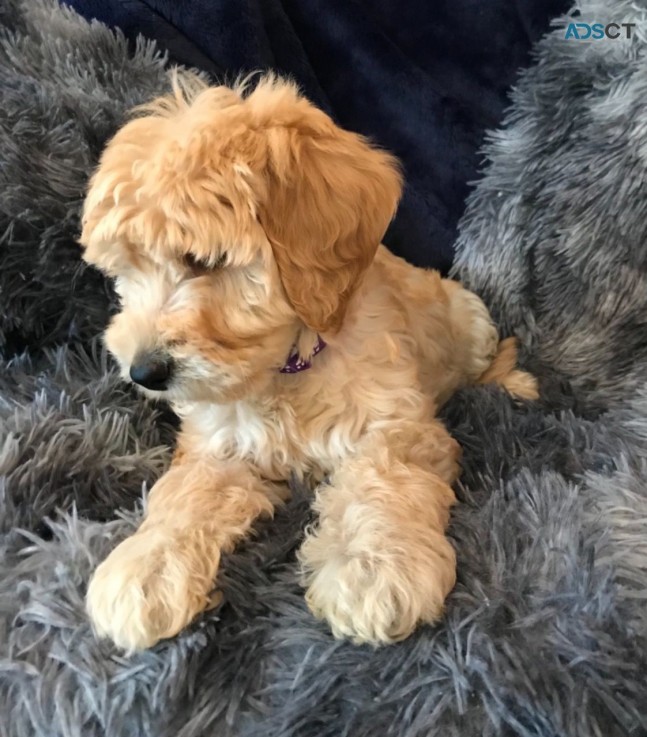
(151, 372)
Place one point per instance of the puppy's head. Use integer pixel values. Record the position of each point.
(233, 223)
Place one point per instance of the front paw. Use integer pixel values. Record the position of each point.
(378, 595)
(150, 587)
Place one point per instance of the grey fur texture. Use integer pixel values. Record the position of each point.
(545, 633)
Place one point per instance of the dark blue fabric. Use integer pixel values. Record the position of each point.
(423, 78)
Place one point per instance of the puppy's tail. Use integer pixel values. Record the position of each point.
(503, 371)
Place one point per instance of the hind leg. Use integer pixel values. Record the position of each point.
(485, 360)
(476, 335)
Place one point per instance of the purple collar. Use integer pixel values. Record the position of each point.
(295, 363)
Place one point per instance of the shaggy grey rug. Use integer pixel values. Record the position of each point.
(545, 633)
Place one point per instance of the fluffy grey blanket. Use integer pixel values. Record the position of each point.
(545, 633)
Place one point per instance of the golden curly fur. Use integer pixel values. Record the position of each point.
(239, 224)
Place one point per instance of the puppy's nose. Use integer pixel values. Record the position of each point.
(151, 372)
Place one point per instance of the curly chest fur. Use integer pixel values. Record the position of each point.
(275, 436)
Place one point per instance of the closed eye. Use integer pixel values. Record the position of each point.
(203, 265)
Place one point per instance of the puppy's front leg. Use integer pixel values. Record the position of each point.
(157, 580)
(379, 562)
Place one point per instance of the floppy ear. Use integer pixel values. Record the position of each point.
(330, 199)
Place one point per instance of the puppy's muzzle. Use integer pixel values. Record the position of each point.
(152, 371)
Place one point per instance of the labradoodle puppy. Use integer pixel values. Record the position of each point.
(243, 231)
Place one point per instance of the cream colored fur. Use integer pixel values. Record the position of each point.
(296, 208)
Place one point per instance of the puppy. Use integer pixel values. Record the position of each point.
(243, 231)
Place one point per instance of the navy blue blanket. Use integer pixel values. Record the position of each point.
(424, 78)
